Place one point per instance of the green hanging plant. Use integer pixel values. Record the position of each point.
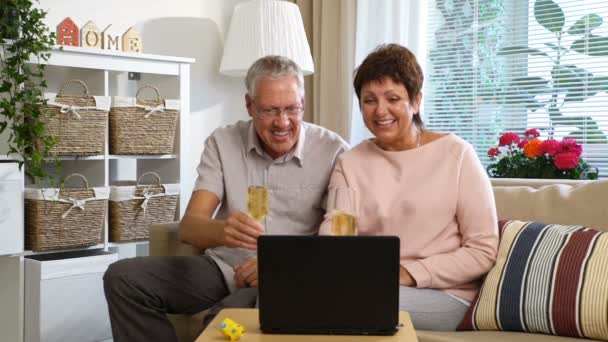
(24, 38)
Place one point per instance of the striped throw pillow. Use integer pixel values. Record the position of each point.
(548, 278)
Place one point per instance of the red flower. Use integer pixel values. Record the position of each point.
(508, 138)
(492, 152)
(550, 147)
(522, 143)
(532, 132)
(570, 145)
(566, 160)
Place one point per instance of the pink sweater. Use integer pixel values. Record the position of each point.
(436, 198)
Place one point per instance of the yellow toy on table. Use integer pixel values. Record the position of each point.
(232, 330)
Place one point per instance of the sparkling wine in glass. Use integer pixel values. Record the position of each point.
(257, 202)
(343, 224)
(343, 204)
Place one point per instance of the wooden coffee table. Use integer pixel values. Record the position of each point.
(249, 319)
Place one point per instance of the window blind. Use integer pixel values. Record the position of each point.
(508, 65)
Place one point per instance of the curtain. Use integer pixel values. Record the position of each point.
(330, 27)
(381, 22)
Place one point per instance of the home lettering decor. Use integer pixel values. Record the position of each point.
(90, 36)
(131, 41)
(68, 33)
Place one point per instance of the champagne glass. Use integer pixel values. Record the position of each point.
(343, 224)
(257, 202)
(344, 205)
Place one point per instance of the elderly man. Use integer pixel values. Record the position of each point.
(275, 149)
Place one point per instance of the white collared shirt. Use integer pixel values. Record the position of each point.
(233, 159)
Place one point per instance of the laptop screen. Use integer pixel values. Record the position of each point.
(328, 284)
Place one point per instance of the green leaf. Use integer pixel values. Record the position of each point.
(533, 104)
(591, 45)
(587, 136)
(574, 80)
(556, 48)
(528, 88)
(515, 50)
(531, 85)
(515, 95)
(36, 157)
(549, 15)
(580, 91)
(5, 87)
(598, 84)
(580, 26)
(579, 96)
(576, 121)
(554, 114)
(588, 129)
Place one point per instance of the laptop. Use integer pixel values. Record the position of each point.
(334, 285)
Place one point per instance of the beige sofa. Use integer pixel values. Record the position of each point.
(564, 202)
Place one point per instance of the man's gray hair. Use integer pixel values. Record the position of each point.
(273, 67)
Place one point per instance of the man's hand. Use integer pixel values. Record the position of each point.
(405, 278)
(242, 230)
(246, 274)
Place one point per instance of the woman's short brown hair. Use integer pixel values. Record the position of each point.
(395, 62)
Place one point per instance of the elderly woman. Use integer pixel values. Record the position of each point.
(425, 187)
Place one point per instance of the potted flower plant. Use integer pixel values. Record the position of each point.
(531, 157)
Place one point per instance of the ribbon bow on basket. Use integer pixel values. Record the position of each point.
(150, 109)
(78, 203)
(71, 109)
(63, 109)
(146, 193)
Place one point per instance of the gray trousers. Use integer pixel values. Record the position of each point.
(141, 291)
(431, 309)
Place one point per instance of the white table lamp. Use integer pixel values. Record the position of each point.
(265, 27)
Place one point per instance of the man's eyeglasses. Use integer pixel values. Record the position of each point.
(274, 112)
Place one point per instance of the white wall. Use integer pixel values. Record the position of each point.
(186, 28)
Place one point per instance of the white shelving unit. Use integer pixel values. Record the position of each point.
(108, 62)
(108, 71)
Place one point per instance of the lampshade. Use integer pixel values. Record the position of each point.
(265, 27)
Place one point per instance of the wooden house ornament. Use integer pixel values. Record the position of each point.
(90, 36)
(109, 42)
(131, 41)
(67, 33)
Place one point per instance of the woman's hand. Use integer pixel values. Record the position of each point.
(405, 278)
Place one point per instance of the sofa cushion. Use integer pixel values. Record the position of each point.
(582, 203)
(489, 336)
(547, 279)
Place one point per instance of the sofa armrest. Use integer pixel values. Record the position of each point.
(164, 241)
